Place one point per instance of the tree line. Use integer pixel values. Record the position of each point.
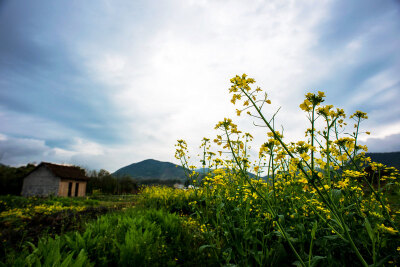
(102, 181)
(12, 178)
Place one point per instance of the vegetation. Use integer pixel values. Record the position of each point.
(391, 159)
(321, 205)
(24, 220)
(103, 182)
(11, 178)
(134, 237)
(324, 203)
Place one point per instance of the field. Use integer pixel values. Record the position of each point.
(93, 232)
(317, 202)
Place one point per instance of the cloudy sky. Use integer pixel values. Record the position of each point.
(103, 84)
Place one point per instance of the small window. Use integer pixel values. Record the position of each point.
(69, 189)
(76, 189)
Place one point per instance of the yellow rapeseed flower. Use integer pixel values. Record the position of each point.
(388, 229)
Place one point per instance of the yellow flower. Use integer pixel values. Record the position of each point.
(360, 115)
(344, 184)
(304, 156)
(389, 229)
(303, 180)
(306, 105)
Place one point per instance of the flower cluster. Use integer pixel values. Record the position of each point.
(325, 183)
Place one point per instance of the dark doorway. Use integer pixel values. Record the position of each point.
(76, 189)
(69, 189)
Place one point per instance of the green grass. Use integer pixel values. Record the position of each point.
(133, 237)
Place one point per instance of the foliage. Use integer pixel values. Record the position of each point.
(167, 182)
(104, 182)
(173, 200)
(134, 237)
(12, 202)
(26, 219)
(325, 202)
(11, 178)
(391, 159)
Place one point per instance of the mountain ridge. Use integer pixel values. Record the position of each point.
(163, 170)
(391, 159)
(152, 169)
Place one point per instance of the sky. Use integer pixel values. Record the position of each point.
(103, 84)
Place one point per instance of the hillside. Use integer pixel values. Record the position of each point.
(390, 158)
(152, 169)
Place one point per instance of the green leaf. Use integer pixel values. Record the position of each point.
(369, 230)
(206, 246)
(67, 261)
(314, 229)
(315, 260)
(336, 194)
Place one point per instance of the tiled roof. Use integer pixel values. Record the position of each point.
(65, 172)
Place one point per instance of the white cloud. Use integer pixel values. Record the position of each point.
(20, 124)
(82, 146)
(176, 85)
(389, 143)
(382, 131)
(3, 137)
(373, 86)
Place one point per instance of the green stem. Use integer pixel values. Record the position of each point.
(312, 139)
(244, 174)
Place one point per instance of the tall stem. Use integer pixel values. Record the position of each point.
(269, 206)
(312, 139)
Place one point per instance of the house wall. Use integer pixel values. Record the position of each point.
(40, 182)
(64, 184)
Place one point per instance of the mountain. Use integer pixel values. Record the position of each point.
(203, 170)
(152, 169)
(391, 159)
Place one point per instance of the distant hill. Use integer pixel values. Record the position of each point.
(152, 169)
(390, 158)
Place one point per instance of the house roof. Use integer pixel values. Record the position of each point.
(64, 172)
